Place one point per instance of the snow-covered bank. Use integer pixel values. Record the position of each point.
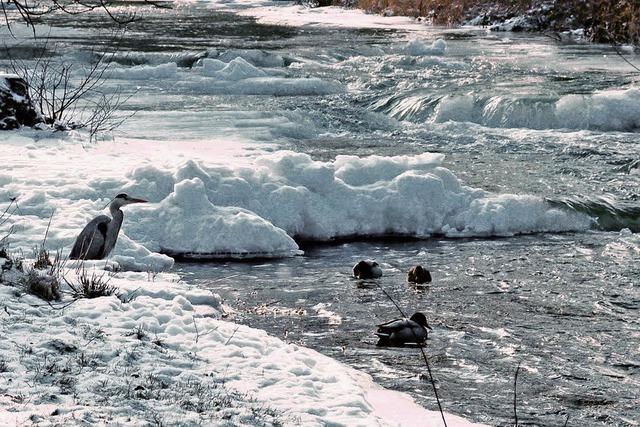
(160, 354)
(255, 208)
(351, 196)
(333, 16)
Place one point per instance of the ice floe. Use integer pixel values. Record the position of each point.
(417, 47)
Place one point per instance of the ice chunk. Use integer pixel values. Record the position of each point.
(417, 47)
(186, 223)
(142, 72)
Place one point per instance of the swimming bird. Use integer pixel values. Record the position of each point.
(399, 332)
(98, 238)
(419, 275)
(367, 269)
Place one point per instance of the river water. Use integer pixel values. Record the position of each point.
(513, 113)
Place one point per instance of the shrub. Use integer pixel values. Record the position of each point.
(604, 21)
(41, 285)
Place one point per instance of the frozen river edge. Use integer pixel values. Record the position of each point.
(159, 353)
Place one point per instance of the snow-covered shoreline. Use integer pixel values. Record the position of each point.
(160, 353)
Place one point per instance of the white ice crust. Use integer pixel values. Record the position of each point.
(289, 194)
(607, 110)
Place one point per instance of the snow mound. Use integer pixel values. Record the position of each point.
(417, 47)
(259, 58)
(237, 69)
(186, 223)
(132, 256)
(142, 72)
(351, 196)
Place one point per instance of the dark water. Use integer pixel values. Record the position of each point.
(562, 306)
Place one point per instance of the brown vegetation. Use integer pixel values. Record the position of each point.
(604, 21)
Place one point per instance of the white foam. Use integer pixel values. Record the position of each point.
(417, 47)
(605, 110)
(609, 110)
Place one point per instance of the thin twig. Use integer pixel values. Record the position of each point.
(195, 325)
(515, 397)
(46, 233)
(615, 48)
(232, 335)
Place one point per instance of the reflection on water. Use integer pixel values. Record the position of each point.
(556, 304)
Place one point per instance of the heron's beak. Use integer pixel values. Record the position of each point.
(132, 200)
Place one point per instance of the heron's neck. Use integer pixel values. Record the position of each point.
(114, 210)
(114, 228)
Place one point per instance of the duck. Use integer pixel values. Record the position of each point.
(403, 331)
(367, 269)
(419, 275)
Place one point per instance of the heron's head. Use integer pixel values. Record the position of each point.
(123, 199)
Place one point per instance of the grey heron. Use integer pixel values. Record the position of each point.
(97, 239)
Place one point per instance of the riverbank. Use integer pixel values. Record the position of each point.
(159, 352)
(594, 20)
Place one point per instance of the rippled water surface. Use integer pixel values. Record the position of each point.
(565, 307)
(514, 114)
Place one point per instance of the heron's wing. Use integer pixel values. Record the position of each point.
(90, 241)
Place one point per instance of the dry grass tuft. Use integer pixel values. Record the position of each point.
(91, 285)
